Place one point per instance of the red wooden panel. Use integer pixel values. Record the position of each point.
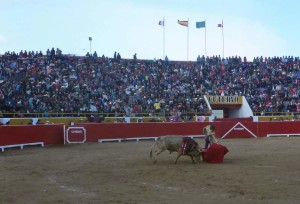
(49, 134)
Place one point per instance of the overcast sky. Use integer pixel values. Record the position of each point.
(251, 27)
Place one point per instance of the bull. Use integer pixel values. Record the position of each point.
(182, 145)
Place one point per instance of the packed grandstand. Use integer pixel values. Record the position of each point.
(50, 83)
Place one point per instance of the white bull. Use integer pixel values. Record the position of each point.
(174, 144)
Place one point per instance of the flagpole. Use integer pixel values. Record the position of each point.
(223, 37)
(164, 40)
(205, 39)
(188, 41)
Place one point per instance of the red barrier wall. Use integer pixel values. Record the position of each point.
(236, 129)
(49, 134)
(136, 130)
(223, 129)
(265, 128)
(54, 134)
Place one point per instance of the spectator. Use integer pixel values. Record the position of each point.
(54, 83)
(157, 106)
(119, 57)
(166, 59)
(39, 122)
(95, 55)
(30, 122)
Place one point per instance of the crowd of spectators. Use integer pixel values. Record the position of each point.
(50, 83)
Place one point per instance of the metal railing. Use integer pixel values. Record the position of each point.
(97, 114)
(123, 114)
(276, 113)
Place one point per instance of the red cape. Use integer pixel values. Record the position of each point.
(215, 153)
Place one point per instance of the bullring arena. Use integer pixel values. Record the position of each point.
(89, 99)
(255, 170)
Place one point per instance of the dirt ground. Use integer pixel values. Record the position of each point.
(254, 171)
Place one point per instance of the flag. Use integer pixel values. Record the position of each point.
(161, 23)
(183, 23)
(220, 25)
(200, 24)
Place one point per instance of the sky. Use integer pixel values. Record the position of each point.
(251, 28)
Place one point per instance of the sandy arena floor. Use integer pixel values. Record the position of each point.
(254, 171)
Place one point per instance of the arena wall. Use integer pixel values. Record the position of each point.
(55, 134)
(22, 134)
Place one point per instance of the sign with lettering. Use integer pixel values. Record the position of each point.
(222, 100)
(75, 135)
(239, 131)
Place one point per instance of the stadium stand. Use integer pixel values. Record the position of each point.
(33, 84)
